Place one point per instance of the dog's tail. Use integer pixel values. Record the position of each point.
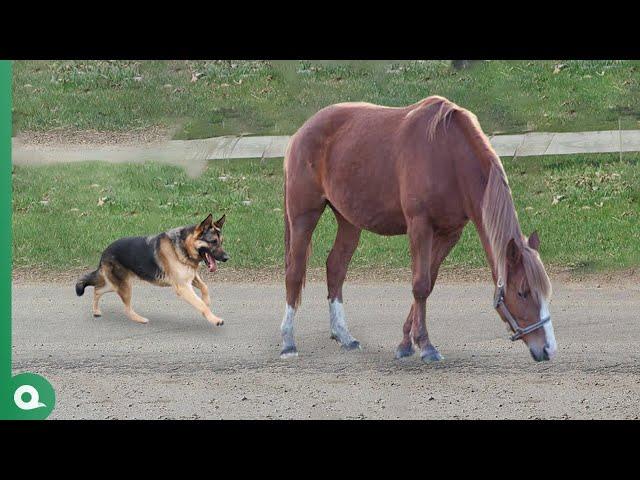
(88, 280)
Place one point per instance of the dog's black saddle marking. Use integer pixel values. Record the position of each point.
(136, 254)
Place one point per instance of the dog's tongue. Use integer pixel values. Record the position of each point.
(211, 263)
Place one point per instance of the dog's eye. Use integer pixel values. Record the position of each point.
(214, 242)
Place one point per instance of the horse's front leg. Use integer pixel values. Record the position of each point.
(421, 241)
(441, 245)
(405, 349)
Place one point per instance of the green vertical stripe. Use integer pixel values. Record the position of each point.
(5, 218)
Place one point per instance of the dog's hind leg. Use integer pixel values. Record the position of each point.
(186, 292)
(124, 291)
(204, 290)
(101, 287)
(120, 280)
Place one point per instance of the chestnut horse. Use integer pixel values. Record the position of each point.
(424, 170)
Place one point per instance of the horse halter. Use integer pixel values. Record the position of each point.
(498, 304)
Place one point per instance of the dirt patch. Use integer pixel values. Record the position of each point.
(179, 366)
(88, 138)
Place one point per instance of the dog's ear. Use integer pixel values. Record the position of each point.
(204, 225)
(220, 222)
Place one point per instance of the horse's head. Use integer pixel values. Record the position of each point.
(522, 300)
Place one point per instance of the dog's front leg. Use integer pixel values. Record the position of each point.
(204, 290)
(186, 292)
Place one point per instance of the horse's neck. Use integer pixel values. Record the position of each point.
(484, 238)
(473, 186)
(478, 166)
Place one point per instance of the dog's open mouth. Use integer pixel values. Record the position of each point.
(209, 260)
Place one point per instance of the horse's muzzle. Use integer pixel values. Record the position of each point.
(542, 355)
(539, 356)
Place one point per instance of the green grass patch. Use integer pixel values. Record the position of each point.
(585, 207)
(263, 97)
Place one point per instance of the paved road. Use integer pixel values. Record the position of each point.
(178, 366)
(193, 154)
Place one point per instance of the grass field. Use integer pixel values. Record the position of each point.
(585, 207)
(261, 97)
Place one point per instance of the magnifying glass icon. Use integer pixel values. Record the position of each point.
(34, 400)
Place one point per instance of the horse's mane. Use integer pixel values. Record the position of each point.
(499, 216)
(444, 112)
(500, 222)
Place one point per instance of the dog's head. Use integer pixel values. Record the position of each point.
(207, 242)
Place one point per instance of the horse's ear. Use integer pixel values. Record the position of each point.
(205, 224)
(513, 253)
(534, 241)
(220, 222)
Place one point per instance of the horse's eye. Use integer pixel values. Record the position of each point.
(523, 295)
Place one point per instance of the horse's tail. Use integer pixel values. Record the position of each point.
(88, 280)
(287, 228)
(287, 225)
(288, 158)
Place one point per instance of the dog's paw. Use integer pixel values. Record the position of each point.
(139, 319)
(218, 322)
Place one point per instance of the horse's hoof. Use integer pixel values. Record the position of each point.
(402, 352)
(352, 345)
(430, 354)
(289, 352)
(349, 345)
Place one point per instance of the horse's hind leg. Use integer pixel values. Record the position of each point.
(301, 228)
(345, 245)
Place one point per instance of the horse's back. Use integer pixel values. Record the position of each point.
(337, 130)
(335, 134)
(343, 154)
(360, 157)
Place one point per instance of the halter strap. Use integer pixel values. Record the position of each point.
(519, 332)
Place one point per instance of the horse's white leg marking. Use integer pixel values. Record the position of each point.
(550, 339)
(338, 324)
(288, 343)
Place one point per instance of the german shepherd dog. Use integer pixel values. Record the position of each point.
(168, 259)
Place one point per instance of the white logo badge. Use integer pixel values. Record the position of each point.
(34, 401)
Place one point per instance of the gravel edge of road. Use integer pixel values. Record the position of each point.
(626, 276)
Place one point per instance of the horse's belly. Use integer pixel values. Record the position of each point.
(383, 219)
(386, 228)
